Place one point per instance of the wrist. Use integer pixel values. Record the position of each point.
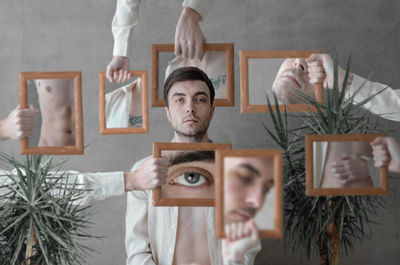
(3, 135)
(190, 13)
(129, 180)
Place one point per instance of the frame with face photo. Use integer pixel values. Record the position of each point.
(127, 103)
(58, 97)
(265, 207)
(267, 69)
(217, 63)
(343, 165)
(194, 159)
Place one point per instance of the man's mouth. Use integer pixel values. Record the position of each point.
(190, 120)
(291, 77)
(244, 216)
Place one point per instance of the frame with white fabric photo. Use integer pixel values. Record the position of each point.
(123, 108)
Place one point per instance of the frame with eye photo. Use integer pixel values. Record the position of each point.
(264, 72)
(343, 165)
(249, 186)
(190, 179)
(58, 129)
(217, 63)
(123, 107)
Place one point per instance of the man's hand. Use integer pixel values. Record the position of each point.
(152, 174)
(118, 69)
(350, 168)
(386, 153)
(240, 238)
(18, 124)
(189, 38)
(320, 70)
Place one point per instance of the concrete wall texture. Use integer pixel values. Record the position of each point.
(46, 35)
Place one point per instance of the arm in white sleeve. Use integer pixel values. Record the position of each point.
(125, 18)
(137, 241)
(95, 186)
(202, 7)
(250, 256)
(385, 104)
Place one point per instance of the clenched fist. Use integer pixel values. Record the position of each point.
(18, 124)
(152, 174)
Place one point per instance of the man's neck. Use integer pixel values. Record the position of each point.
(184, 139)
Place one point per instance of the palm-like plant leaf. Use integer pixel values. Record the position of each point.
(39, 202)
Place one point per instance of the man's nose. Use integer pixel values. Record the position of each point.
(255, 199)
(190, 107)
(300, 63)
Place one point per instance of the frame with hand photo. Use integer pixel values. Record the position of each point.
(247, 188)
(343, 165)
(59, 127)
(217, 63)
(191, 180)
(279, 71)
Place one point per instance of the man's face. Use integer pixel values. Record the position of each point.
(292, 74)
(189, 109)
(247, 181)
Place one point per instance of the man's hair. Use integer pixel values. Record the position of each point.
(185, 74)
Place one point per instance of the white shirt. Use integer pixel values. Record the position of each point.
(151, 231)
(385, 104)
(118, 105)
(126, 17)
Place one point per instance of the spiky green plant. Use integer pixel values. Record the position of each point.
(308, 220)
(40, 216)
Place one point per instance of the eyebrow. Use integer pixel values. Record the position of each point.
(193, 157)
(250, 168)
(178, 94)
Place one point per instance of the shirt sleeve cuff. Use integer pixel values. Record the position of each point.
(202, 7)
(113, 183)
(120, 48)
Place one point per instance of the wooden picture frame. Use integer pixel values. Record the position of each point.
(311, 190)
(244, 56)
(159, 147)
(277, 231)
(156, 49)
(142, 74)
(25, 148)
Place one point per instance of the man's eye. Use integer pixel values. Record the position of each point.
(244, 178)
(190, 179)
(179, 100)
(201, 100)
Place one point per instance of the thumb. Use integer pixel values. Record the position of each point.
(379, 141)
(35, 111)
(313, 57)
(254, 235)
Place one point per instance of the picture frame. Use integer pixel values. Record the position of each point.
(78, 147)
(156, 86)
(246, 106)
(104, 130)
(311, 180)
(158, 147)
(276, 155)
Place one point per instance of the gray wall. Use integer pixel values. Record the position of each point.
(47, 35)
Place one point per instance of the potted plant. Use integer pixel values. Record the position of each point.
(41, 219)
(321, 225)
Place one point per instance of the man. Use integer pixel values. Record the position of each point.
(247, 181)
(189, 38)
(176, 235)
(302, 74)
(291, 76)
(56, 101)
